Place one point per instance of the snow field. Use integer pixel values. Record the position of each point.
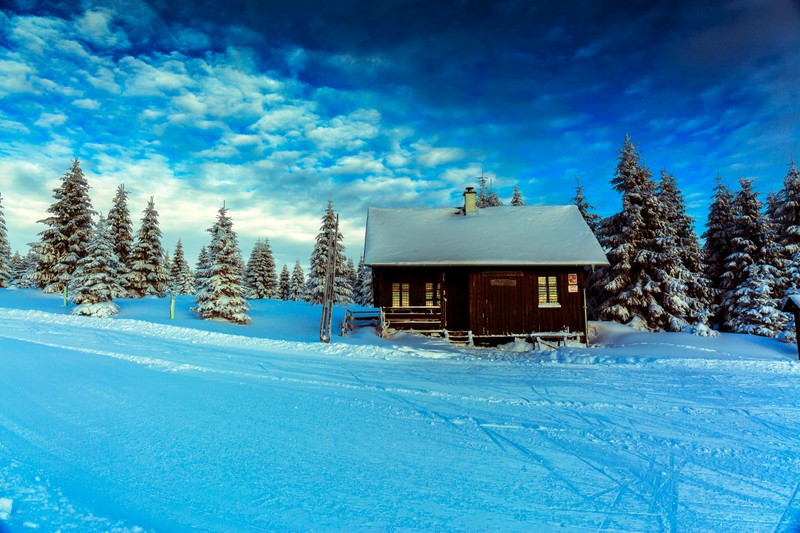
(127, 424)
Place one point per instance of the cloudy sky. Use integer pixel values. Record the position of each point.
(274, 107)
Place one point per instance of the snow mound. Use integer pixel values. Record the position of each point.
(100, 310)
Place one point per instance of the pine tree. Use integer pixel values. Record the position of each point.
(121, 229)
(587, 210)
(630, 279)
(298, 286)
(285, 284)
(148, 274)
(260, 276)
(5, 251)
(756, 308)
(319, 260)
(785, 214)
(516, 197)
(482, 198)
(202, 269)
(363, 293)
(717, 247)
(679, 264)
(222, 296)
(181, 279)
(95, 280)
(66, 239)
(25, 273)
(752, 258)
(493, 200)
(17, 268)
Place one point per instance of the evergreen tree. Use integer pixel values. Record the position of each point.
(350, 276)
(25, 273)
(482, 198)
(17, 268)
(262, 281)
(66, 239)
(587, 210)
(493, 200)
(679, 264)
(298, 286)
(285, 284)
(717, 247)
(181, 279)
(516, 197)
(95, 280)
(121, 228)
(148, 274)
(222, 296)
(631, 279)
(363, 293)
(319, 260)
(785, 215)
(756, 308)
(5, 251)
(202, 269)
(752, 257)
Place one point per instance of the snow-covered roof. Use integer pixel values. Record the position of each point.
(791, 303)
(505, 235)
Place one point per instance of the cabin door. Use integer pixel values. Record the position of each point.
(502, 296)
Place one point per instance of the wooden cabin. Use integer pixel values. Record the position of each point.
(498, 272)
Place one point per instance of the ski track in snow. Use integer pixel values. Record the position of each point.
(126, 425)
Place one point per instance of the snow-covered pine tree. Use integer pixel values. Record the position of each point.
(319, 260)
(752, 242)
(181, 279)
(201, 270)
(285, 284)
(785, 215)
(717, 247)
(5, 251)
(756, 308)
(95, 280)
(482, 198)
(516, 197)
(587, 210)
(298, 291)
(148, 274)
(121, 231)
(222, 296)
(65, 241)
(25, 276)
(260, 275)
(350, 276)
(363, 294)
(493, 200)
(17, 268)
(630, 279)
(684, 288)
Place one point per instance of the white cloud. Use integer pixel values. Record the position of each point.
(48, 120)
(429, 156)
(15, 77)
(94, 26)
(86, 103)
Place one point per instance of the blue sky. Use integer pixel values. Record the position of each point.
(273, 107)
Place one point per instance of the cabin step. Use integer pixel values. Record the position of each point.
(460, 338)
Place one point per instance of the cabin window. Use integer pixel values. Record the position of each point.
(432, 294)
(400, 295)
(548, 291)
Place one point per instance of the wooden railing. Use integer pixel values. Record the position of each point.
(419, 318)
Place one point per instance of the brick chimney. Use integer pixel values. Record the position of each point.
(470, 207)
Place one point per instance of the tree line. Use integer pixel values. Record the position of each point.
(95, 259)
(660, 277)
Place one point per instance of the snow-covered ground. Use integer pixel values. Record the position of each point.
(139, 423)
